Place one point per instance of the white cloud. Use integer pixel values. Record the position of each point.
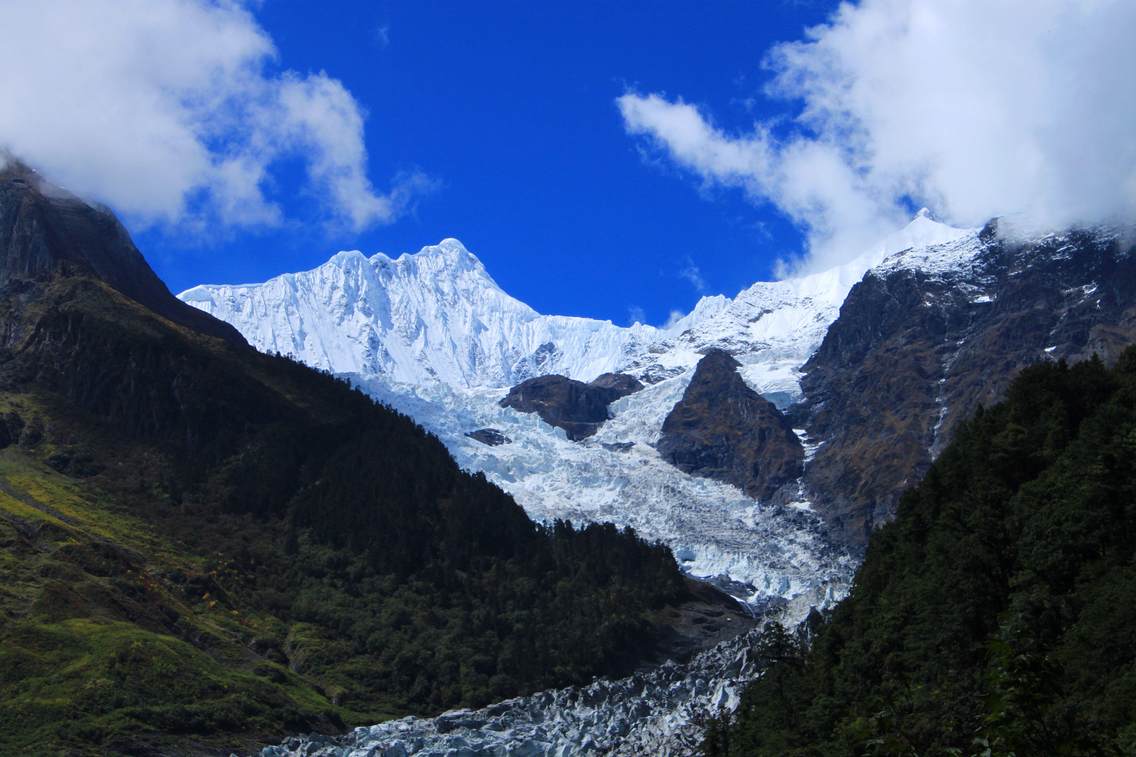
(672, 318)
(693, 274)
(172, 110)
(973, 108)
(636, 314)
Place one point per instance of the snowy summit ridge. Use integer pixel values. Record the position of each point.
(438, 316)
(435, 315)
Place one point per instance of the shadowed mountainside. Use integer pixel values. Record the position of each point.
(915, 351)
(47, 232)
(175, 506)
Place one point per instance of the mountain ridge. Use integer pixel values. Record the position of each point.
(532, 344)
(435, 315)
(45, 231)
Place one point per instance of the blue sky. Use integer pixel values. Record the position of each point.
(509, 108)
(606, 159)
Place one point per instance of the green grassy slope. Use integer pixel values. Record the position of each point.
(110, 637)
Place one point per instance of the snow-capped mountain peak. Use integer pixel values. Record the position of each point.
(432, 316)
(449, 257)
(437, 316)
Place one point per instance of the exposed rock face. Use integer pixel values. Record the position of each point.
(45, 232)
(724, 430)
(915, 352)
(620, 384)
(491, 436)
(578, 408)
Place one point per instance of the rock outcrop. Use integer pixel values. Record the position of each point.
(578, 408)
(617, 384)
(724, 430)
(491, 436)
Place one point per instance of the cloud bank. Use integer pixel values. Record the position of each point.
(972, 108)
(176, 110)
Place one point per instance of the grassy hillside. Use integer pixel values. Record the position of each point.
(997, 614)
(202, 547)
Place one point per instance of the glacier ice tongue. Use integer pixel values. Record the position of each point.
(656, 712)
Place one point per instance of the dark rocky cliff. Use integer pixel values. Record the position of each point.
(46, 232)
(578, 408)
(724, 430)
(915, 352)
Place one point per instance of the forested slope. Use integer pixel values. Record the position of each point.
(997, 612)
